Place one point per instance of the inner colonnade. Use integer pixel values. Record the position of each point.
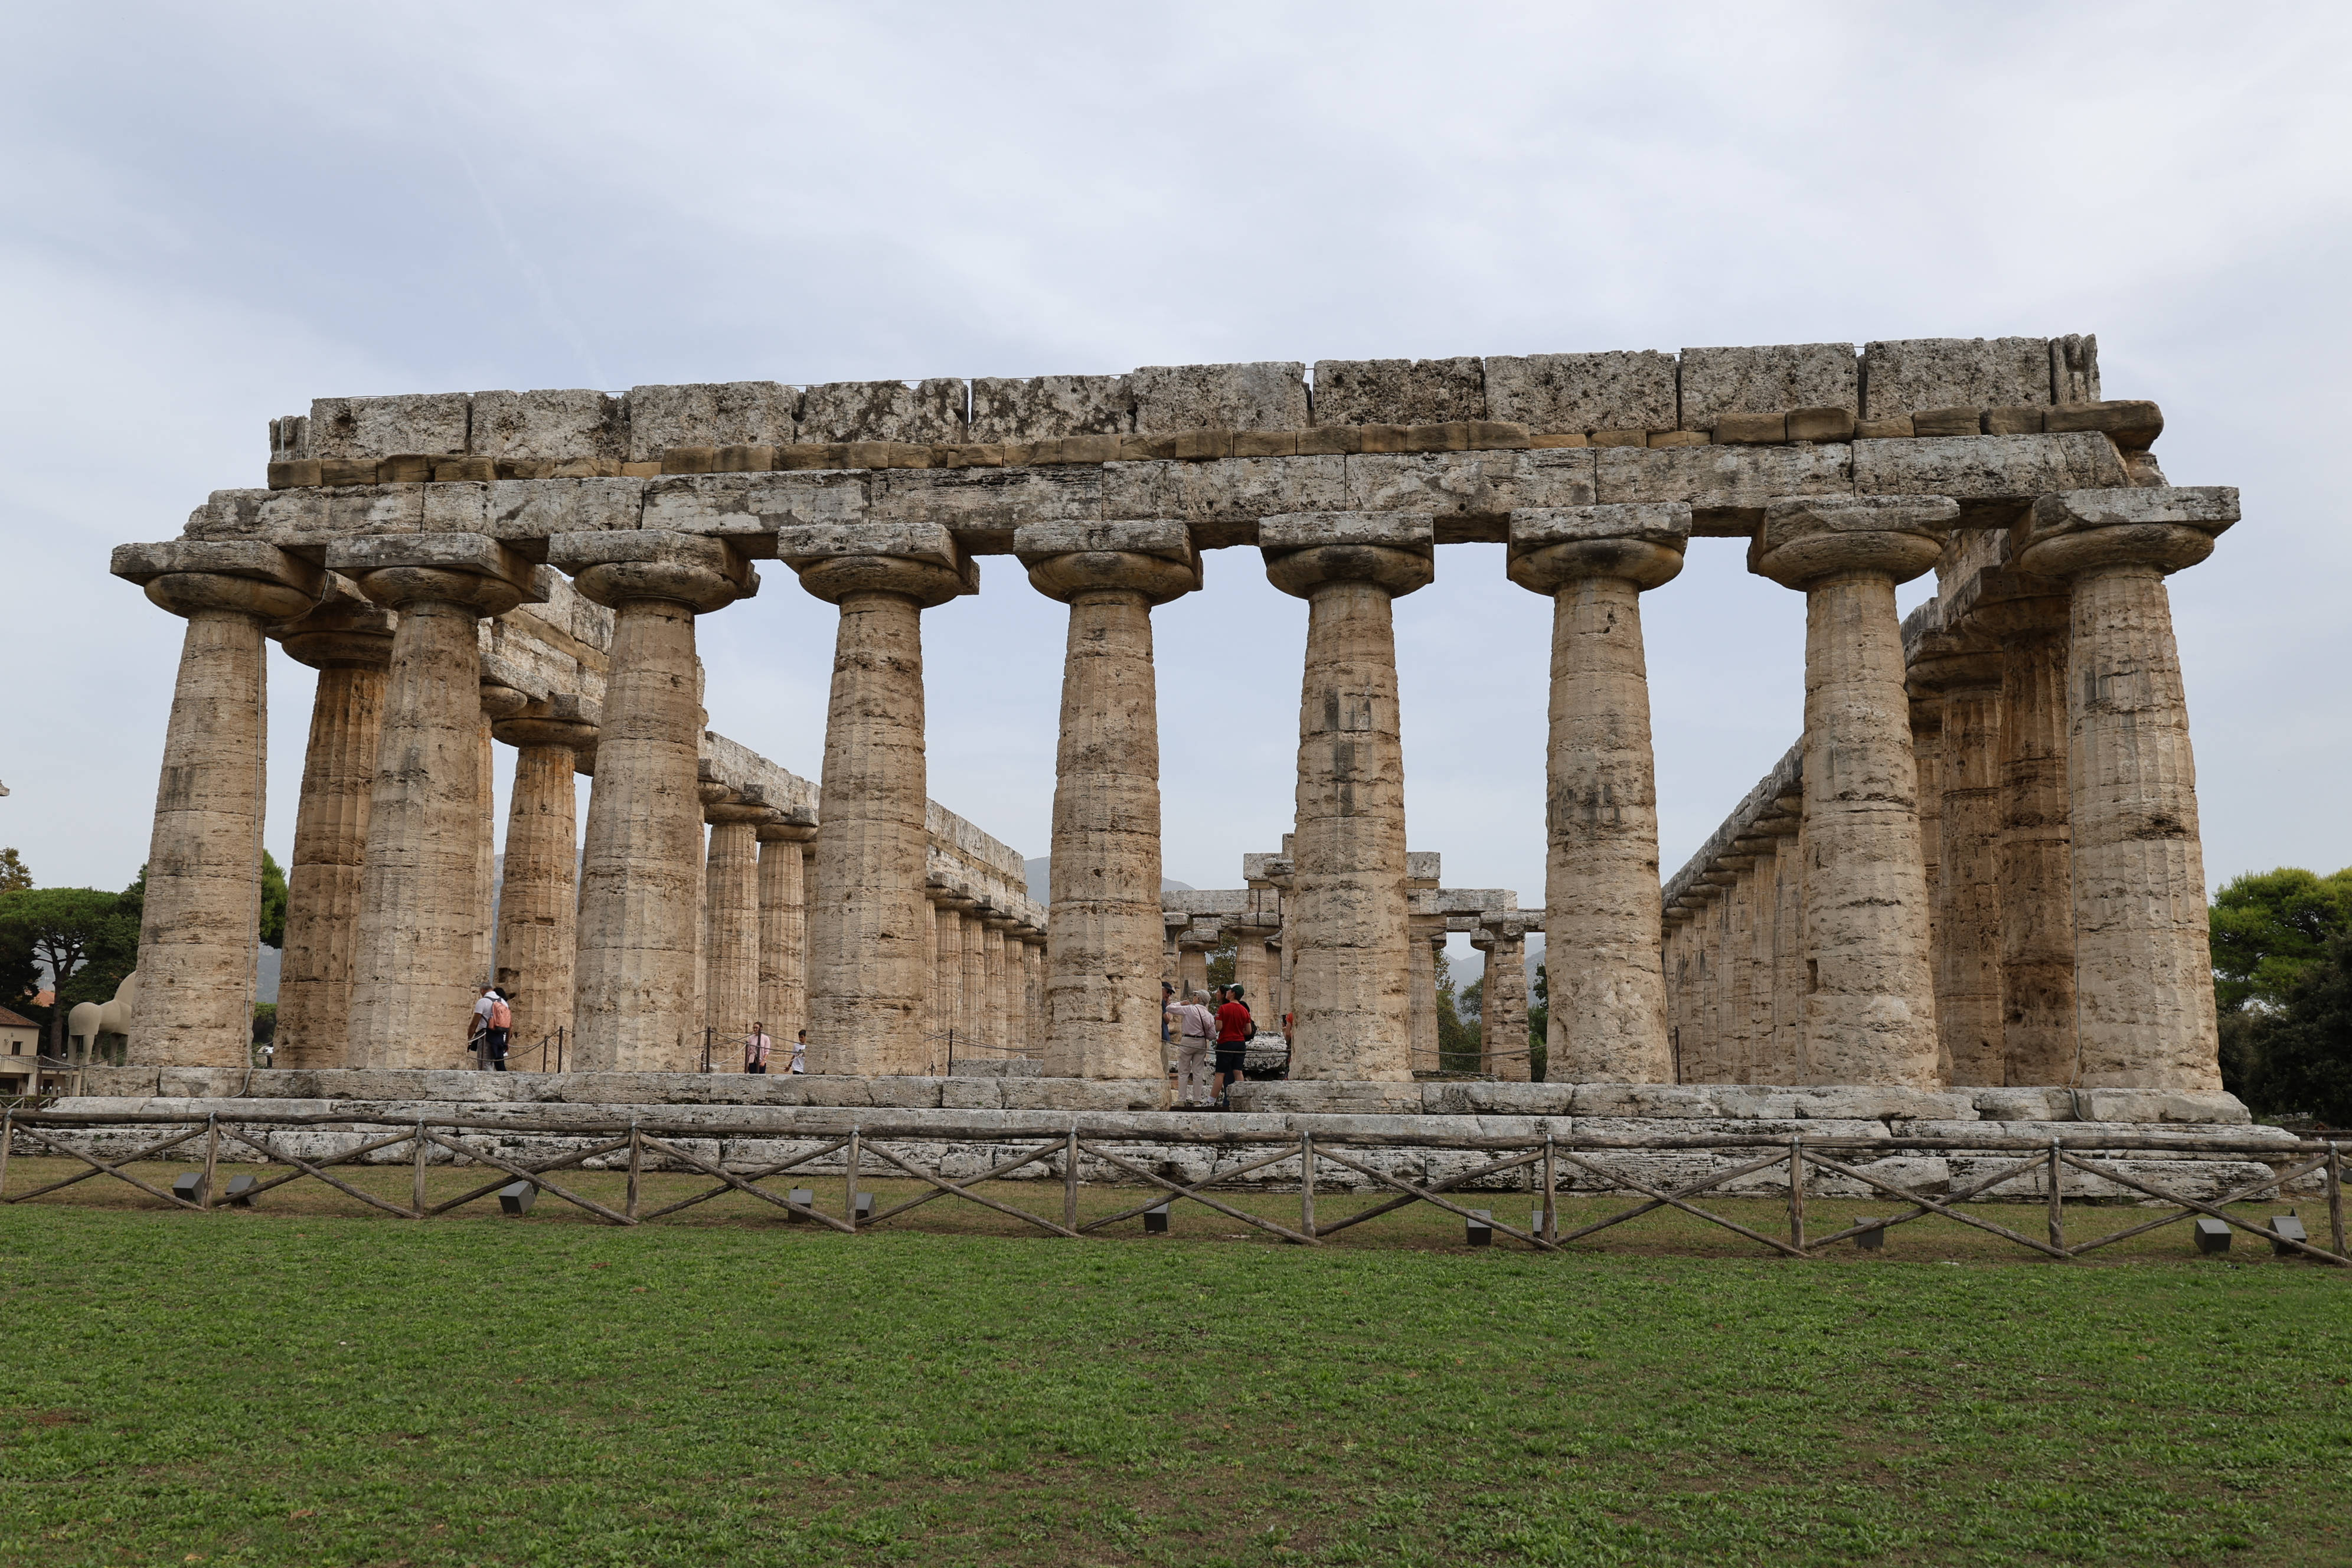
(1990, 462)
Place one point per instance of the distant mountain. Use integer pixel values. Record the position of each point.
(1040, 885)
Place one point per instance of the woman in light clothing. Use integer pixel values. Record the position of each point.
(1196, 1036)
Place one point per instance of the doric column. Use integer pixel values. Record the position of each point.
(1192, 961)
(945, 991)
(1739, 948)
(1250, 970)
(1789, 944)
(1695, 1049)
(2143, 965)
(538, 888)
(1503, 1000)
(1870, 1004)
(414, 978)
(201, 932)
(971, 999)
(783, 927)
(1426, 939)
(1927, 756)
(997, 1010)
(865, 940)
(1760, 884)
(1355, 961)
(730, 999)
(1967, 925)
(634, 996)
(1104, 909)
(498, 701)
(1674, 955)
(348, 641)
(1608, 1019)
(1032, 973)
(2025, 617)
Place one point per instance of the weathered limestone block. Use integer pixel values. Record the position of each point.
(349, 641)
(2074, 368)
(637, 976)
(1726, 487)
(924, 412)
(1352, 1011)
(1399, 391)
(1454, 487)
(1048, 407)
(200, 929)
(416, 970)
(1573, 393)
(2007, 470)
(1270, 395)
(1716, 382)
(538, 891)
(1601, 917)
(2143, 994)
(867, 975)
(571, 425)
(1103, 991)
(1907, 376)
(425, 422)
(1870, 1009)
(720, 413)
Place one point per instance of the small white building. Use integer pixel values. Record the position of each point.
(20, 1048)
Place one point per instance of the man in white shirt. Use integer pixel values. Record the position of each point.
(478, 1027)
(800, 1052)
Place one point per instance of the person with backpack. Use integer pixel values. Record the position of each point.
(495, 1026)
(1234, 1028)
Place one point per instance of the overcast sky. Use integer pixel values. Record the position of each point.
(214, 214)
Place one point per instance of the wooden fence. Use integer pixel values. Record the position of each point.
(883, 1148)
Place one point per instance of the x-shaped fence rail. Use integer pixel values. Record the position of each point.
(1064, 1154)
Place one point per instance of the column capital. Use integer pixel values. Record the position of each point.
(918, 561)
(1949, 661)
(736, 813)
(2071, 531)
(1305, 551)
(690, 569)
(472, 570)
(790, 828)
(1154, 558)
(2005, 603)
(1640, 542)
(345, 627)
(244, 576)
(1805, 540)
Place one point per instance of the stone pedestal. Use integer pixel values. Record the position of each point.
(730, 995)
(1967, 915)
(539, 890)
(1870, 1004)
(1103, 988)
(2143, 965)
(200, 931)
(1348, 908)
(349, 641)
(784, 928)
(865, 938)
(1608, 1017)
(635, 999)
(415, 977)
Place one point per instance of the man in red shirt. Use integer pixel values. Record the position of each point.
(1234, 1028)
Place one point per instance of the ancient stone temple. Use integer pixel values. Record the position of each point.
(1978, 866)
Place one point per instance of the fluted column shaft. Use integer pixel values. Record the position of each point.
(1607, 979)
(1870, 1013)
(1968, 916)
(1503, 1009)
(199, 933)
(784, 930)
(731, 929)
(971, 997)
(1765, 1064)
(1788, 973)
(323, 882)
(1425, 997)
(538, 892)
(2036, 862)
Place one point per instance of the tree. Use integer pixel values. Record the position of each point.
(14, 877)
(273, 900)
(61, 928)
(1540, 1027)
(1457, 1042)
(2296, 1058)
(2270, 928)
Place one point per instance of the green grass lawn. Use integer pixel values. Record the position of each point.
(308, 1385)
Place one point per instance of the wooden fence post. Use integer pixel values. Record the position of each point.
(1306, 1184)
(2336, 1196)
(849, 1174)
(637, 1164)
(417, 1171)
(1797, 1192)
(1070, 1179)
(2057, 1200)
(7, 1142)
(1550, 1195)
(212, 1157)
